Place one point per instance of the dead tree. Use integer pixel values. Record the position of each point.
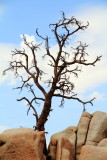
(60, 84)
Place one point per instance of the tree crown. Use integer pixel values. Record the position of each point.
(65, 65)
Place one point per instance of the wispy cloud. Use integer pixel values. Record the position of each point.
(3, 128)
(5, 56)
(97, 95)
(2, 11)
(96, 37)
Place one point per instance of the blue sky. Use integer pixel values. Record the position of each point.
(23, 17)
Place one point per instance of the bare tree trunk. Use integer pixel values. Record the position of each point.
(45, 113)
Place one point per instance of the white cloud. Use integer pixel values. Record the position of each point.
(42, 63)
(3, 128)
(97, 95)
(96, 37)
(5, 56)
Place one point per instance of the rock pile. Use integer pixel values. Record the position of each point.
(87, 141)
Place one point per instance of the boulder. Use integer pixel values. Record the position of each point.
(103, 143)
(22, 144)
(97, 129)
(62, 145)
(89, 152)
(82, 131)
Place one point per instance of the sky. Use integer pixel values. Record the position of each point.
(23, 17)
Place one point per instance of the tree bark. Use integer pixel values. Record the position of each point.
(45, 113)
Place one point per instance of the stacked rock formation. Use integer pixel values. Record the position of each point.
(87, 141)
(95, 147)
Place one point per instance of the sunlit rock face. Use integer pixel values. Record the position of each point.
(103, 143)
(82, 132)
(89, 152)
(97, 128)
(62, 145)
(22, 144)
(95, 147)
(87, 141)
